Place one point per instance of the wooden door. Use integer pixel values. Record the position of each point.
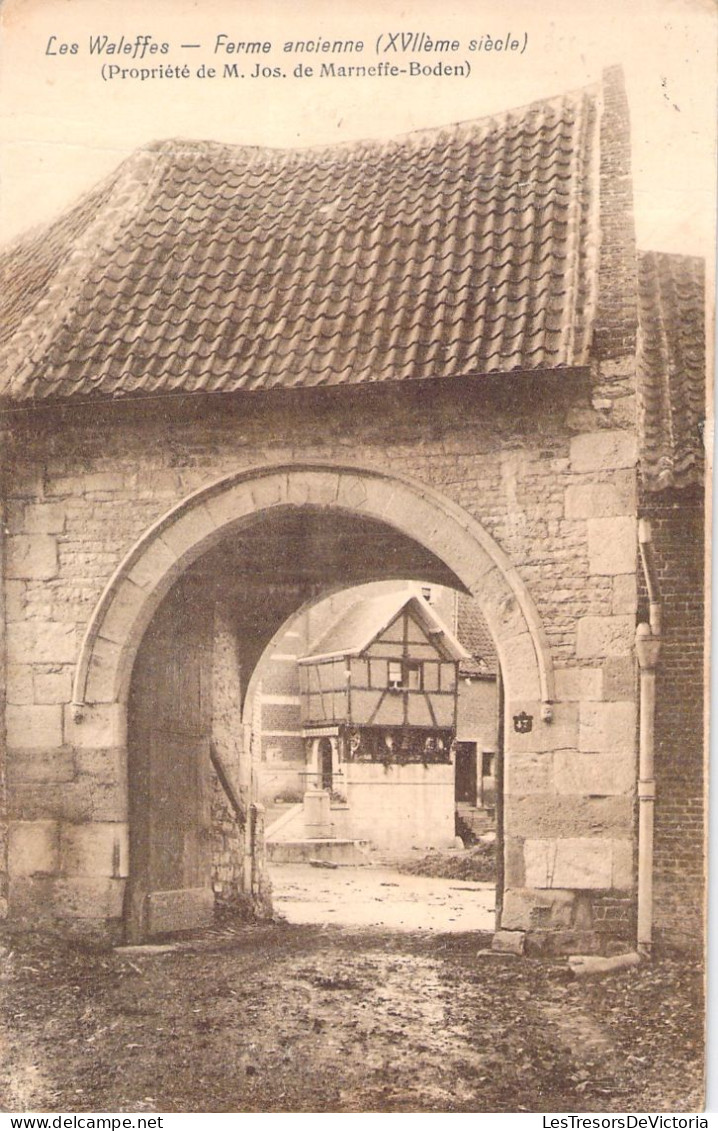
(465, 772)
(326, 759)
(169, 772)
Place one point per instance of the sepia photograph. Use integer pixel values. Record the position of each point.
(356, 383)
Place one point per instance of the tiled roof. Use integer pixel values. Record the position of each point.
(201, 267)
(362, 622)
(473, 633)
(671, 370)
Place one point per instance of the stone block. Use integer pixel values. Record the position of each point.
(509, 942)
(500, 606)
(178, 910)
(66, 801)
(600, 637)
(103, 672)
(14, 517)
(595, 775)
(96, 726)
(126, 606)
(600, 500)
(575, 862)
(612, 545)
(528, 774)
(408, 513)
(105, 481)
(88, 897)
(31, 897)
(19, 685)
(522, 908)
(513, 861)
(269, 491)
(623, 868)
(33, 726)
(603, 451)
(33, 847)
(473, 571)
(53, 686)
(550, 817)
(196, 525)
(27, 482)
(625, 594)
(561, 732)
(607, 727)
(31, 556)
(42, 642)
(520, 666)
(315, 488)
(620, 678)
(107, 765)
(579, 683)
(358, 493)
(96, 849)
(107, 801)
(15, 596)
(40, 765)
(156, 562)
(44, 518)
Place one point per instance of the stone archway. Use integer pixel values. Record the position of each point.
(234, 504)
(190, 529)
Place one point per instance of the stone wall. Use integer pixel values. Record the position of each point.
(550, 477)
(399, 808)
(228, 828)
(678, 537)
(477, 717)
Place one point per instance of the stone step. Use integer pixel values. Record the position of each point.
(477, 820)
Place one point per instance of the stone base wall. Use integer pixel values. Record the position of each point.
(400, 807)
(227, 847)
(550, 479)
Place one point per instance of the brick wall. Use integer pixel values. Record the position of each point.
(678, 536)
(616, 317)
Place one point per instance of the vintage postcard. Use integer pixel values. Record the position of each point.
(357, 437)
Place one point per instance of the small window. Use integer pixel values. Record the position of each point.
(406, 675)
(412, 676)
(396, 675)
(426, 593)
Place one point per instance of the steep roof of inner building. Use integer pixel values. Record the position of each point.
(361, 624)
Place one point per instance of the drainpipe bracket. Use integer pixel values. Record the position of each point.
(78, 712)
(648, 647)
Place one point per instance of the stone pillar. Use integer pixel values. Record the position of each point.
(317, 814)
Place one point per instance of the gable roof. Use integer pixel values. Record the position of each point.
(671, 370)
(200, 267)
(361, 624)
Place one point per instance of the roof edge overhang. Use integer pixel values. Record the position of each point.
(492, 381)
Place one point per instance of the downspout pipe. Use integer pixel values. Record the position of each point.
(648, 647)
(645, 545)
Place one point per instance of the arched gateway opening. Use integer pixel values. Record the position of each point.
(174, 640)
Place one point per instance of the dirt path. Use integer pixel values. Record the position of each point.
(379, 896)
(282, 1018)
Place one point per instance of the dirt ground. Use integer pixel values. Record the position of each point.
(381, 896)
(278, 1017)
